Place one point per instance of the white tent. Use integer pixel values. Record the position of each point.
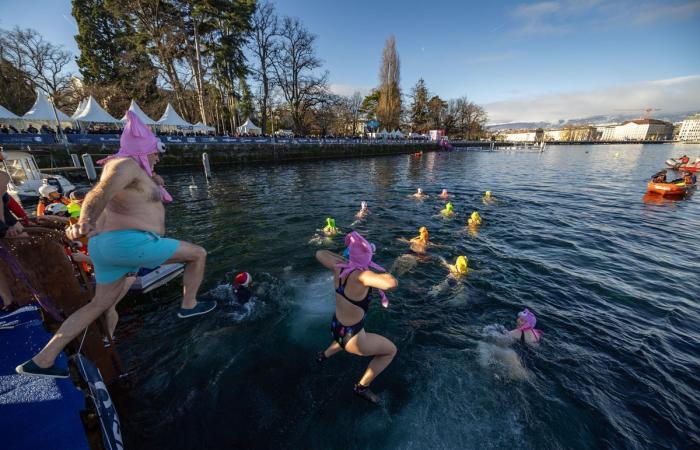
(136, 109)
(172, 119)
(42, 111)
(397, 134)
(201, 127)
(93, 112)
(7, 114)
(249, 127)
(80, 108)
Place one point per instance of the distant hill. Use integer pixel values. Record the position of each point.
(592, 120)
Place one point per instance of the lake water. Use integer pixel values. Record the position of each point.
(611, 274)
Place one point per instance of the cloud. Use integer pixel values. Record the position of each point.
(673, 95)
(349, 89)
(535, 10)
(565, 16)
(654, 12)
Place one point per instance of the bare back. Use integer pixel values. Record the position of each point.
(137, 206)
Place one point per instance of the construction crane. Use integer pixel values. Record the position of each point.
(647, 111)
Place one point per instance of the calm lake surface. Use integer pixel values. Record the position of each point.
(612, 278)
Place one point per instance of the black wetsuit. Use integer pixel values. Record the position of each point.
(243, 294)
(343, 333)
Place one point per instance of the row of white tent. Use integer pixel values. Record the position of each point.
(89, 111)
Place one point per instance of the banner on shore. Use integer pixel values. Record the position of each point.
(27, 138)
(99, 139)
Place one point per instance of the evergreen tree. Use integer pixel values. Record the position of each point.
(109, 62)
(437, 108)
(369, 105)
(419, 107)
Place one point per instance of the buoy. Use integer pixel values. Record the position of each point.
(207, 166)
(89, 167)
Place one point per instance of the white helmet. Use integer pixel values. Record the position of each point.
(46, 189)
(56, 209)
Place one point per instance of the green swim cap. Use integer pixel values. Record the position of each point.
(448, 207)
(330, 222)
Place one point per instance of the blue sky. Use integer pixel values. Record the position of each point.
(503, 54)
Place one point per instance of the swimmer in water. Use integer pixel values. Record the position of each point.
(488, 198)
(420, 195)
(448, 211)
(444, 195)
(353, 281)
(457, 271)
(474, 219)
(459, 268)
(363, 212)
(420, 242)
(330, 229)
(241, 287)
(526, 332)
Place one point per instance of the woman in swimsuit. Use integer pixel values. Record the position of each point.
(526, 332)
(353, 282)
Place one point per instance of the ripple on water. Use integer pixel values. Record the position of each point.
(612, 279)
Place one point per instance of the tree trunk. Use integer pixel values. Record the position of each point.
(199, 81)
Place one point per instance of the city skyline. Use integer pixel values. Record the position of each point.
(523, 61)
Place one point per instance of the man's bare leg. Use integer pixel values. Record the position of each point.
(194, 258)
(111, 314)
(106, 295)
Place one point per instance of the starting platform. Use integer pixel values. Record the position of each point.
(37, 413)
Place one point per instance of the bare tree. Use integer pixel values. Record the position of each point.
(40, 61)
(262, 44)
(355, 105)
(465, 118)
(389, 107)
(294, 63)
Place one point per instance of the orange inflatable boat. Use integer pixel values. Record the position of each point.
(669, 188)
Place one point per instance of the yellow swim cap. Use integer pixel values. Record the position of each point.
(475, 218)
(487, 194)
(461, 264)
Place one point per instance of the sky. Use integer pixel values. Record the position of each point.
(523, 61)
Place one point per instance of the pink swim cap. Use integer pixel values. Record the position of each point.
(528, 317)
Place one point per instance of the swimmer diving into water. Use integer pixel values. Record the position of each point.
(353, 281)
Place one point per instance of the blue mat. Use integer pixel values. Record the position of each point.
(35, 412)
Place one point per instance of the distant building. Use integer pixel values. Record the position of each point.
(690, 129)
(521, 136)
(643, 130)
(552, 135)
(578, 133)
(606, 132)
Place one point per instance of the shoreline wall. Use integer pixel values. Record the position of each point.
(180, 155)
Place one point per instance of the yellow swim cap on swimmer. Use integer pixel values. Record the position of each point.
(448, 207)
(487, 194)
(461, 264)
(475, 219)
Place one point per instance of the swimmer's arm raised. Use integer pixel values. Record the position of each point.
(116, 176)
(383, 281)
(328, 259)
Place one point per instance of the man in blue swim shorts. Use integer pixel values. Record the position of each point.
(124, 217)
